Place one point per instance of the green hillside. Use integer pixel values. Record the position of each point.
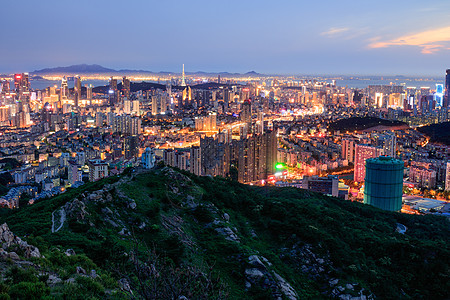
(438, 133)
(361, 123)
(164, 234)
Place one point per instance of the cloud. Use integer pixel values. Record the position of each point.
(334, 31)
(430, 41)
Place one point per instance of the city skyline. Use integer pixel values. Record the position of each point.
(345, 38)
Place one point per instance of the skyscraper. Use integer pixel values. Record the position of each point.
(148, 158)
(196, 160)
(348, 149)
(447, 88)
(89, 92)
(112, 84)
(64, 88)
(126, 87)
(389, 144)
(447, 177)
(22, 86)
(183, 81)
(246, 113)
(77, 90)
(187, 96)
(131, 147)
(159, 104)
(257, 156)
(363, 152)
(5, 86)
(226, 98)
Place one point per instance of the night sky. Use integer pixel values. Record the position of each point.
(272, 37)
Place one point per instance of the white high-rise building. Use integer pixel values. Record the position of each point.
(98, 169)
(127, 107)
(159, 104)
(148, 158)
(348, 149)
(135, 107)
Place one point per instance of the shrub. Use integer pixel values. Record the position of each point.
(29, 290)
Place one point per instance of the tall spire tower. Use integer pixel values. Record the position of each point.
(183, 82)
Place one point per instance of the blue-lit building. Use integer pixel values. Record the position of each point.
(383, 185)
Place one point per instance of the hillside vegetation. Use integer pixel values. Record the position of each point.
(362, 123)
(438, 133)
(166, 234)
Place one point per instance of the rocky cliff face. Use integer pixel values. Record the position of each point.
(9, 239)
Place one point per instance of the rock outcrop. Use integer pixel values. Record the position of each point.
(259, 273)
(9, 239)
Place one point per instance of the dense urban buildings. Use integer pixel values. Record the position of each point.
(230, 126)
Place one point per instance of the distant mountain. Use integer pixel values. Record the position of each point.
(97, 69)
(75, 69)
(252, 73)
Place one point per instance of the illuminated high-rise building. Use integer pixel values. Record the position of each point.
(77, 90)
(4, 115)
(187, 96)
(112, 83)
(362, 153)
(260, 121)
(246, 112)
(439, 95)
(196, 160)
(447, 88)
(64, 88)
(183, 81)
(5, 86)
(447, 177)
(22, 87)
(257, 157)
(89, 92)
(148, 158)
(127, 106)
(348, 149)
(125, 124)
(226, 98)
(126, 87)
(159, 104)
(131, 147)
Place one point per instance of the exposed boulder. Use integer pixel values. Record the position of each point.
(76, 209)
(13, 256)
(8, 238)
(132, 204)
(259, 274)
(287, 290)
(70, 252)
(124, 285)
(228, 233)
(81, 271)
(52, 280)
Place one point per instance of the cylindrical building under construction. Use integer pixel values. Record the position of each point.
(383, 186)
